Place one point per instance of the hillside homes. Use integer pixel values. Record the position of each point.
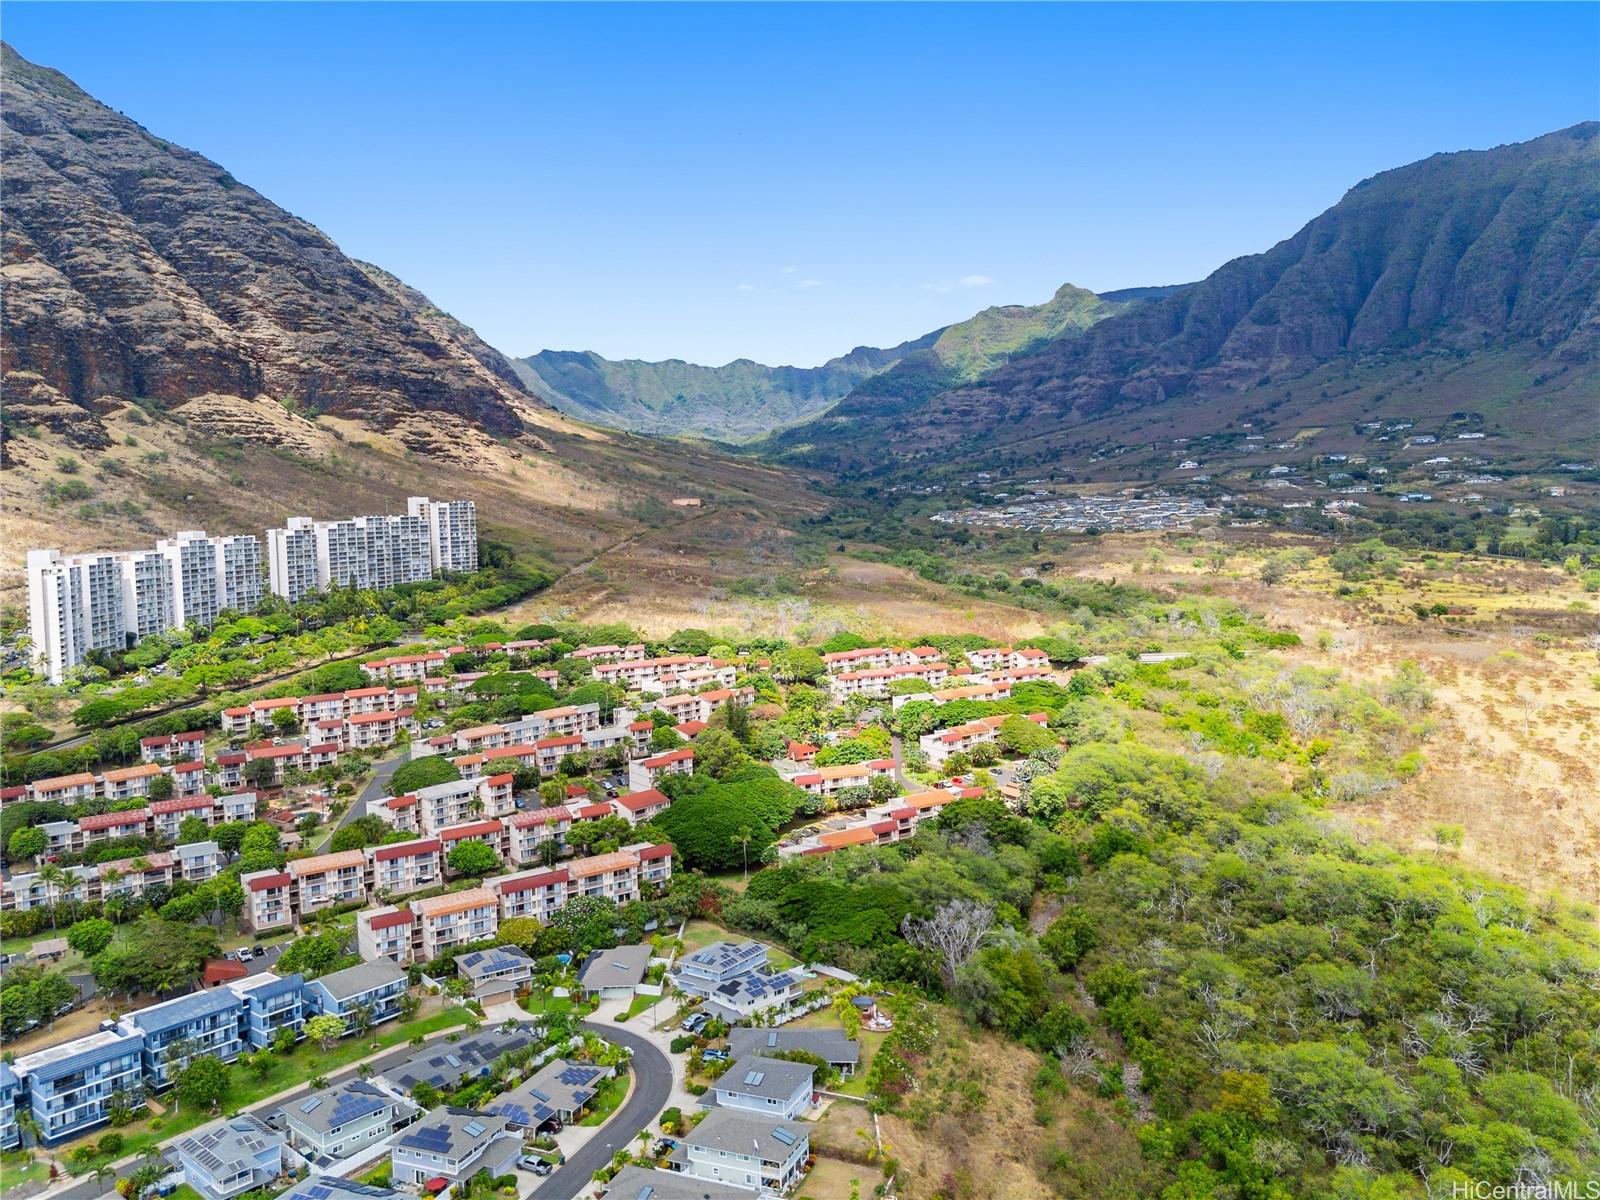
(960, 739)
(831, 780)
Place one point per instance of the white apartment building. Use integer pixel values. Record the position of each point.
(108, 600)
(375, 551)
(452, 531)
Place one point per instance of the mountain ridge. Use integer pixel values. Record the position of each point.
(1469, 253)
(744, 399)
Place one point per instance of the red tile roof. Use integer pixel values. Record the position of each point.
(390, 920)
(280, 879)
(526, 883)
(115, 820)
(406, 850)
(639, 801)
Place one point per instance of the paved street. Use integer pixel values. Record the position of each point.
(652, 1088)
(376, 789)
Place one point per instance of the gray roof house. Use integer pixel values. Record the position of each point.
(497, 972)
(611, 974)
(335, 1122)
(744, 1150)
(641, 1183)
(830, 1045)
(378, 984)
(235, 1157)
(454, 1144)
(331, 1187)
(444, 1064)
(769, 1086)
(559, 1091)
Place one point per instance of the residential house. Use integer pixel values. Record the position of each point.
(558, 1092)
(406, 866)
(745, 1150)
(326, 881)
(773, 1087)
(496, 973)
(172, 748)
(446, 1065)
(831, 780)
(638, 807)
(649, 772)
(385, 933)
(830, 1045)
(453, 1144)
(617, 973)
(453, 920)
(379, 985)
(236, 1156)
(634, 1182)
(272, 1004)
(70, 1086)
(335, 1122)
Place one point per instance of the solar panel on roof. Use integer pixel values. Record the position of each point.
(784, 1136)
(311, 1104)
(646, 1192)
(452, 1060)
(474, 1128)
(772, 1038)
(538, 1095)
(754, 1078)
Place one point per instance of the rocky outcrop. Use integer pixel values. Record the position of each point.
(134, 269)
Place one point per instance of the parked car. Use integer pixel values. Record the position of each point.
(715, 1055)
(246, 954)
(532, 1162)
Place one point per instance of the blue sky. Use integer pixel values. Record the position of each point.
(785, 182)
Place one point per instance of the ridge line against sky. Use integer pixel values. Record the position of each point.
(784, 183)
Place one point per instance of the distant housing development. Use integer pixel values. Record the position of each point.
(109, 599)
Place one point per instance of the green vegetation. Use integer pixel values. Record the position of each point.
(424, 772)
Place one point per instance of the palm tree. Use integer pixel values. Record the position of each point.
(474, 807)
(742, 840)
(549, 852)
(364, 1070)
(52, 877)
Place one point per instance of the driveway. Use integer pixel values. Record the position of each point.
(652, 1088)
(377, 788)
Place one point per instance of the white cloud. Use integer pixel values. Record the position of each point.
(747, 287)
(943, 285)
(809, 283)
(790, 270)
(975, 281)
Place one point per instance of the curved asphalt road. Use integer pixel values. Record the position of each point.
(652, 1087)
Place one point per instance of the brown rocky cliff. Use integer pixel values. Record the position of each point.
(137, 270)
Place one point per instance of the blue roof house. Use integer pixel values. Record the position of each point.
(70, 1086)
(202, 1023)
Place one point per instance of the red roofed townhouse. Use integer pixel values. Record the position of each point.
(530, 831)
(538, 894)
(607, 654)
(281, 755)
(655, 864)
(188, 778)
(167, 815)
(552, 750)
(329, 706)
(649, 772)
(1005, 658)
(830, 781)
(490, 833)
(613, 876)
(266, 900)
(567, 718)
(105, 827)
(365, 730)
(802, 752)
(942, 743)
(974, 691)
(640, 732)
(406, 866)
(639, 807)
(876, 682)
(639, 672)
(482, 737)
(129, 783)
(715, 698)
(385, 933)
(405, 666)
(504, 758)
(864, 659)
(689, 730)
(65, 789)
(172, 747)
(444, 922)
(682, 707)
(688, 679)
(326, 880)
(124, 878)
(399, 812)
(228, 774)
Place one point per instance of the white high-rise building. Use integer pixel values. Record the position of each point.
(108, 600)
(75, 605)
(373, 551)
(292, 559)
(452, 531)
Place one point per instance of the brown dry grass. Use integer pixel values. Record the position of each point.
(982, 1138)
(1517, 713)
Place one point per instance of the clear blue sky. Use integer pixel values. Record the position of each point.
(783, 183)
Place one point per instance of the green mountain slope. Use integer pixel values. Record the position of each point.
(1465, 282)
(744, 400)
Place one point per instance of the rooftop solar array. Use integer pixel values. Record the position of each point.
(784, 1136)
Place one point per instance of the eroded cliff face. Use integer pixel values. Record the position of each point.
(136, 270)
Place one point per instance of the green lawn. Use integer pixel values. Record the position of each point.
(307, 1062)
(184, 1192)
(17, 1174)
(607, 1100)
(542, 1004)
(641, 1004)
